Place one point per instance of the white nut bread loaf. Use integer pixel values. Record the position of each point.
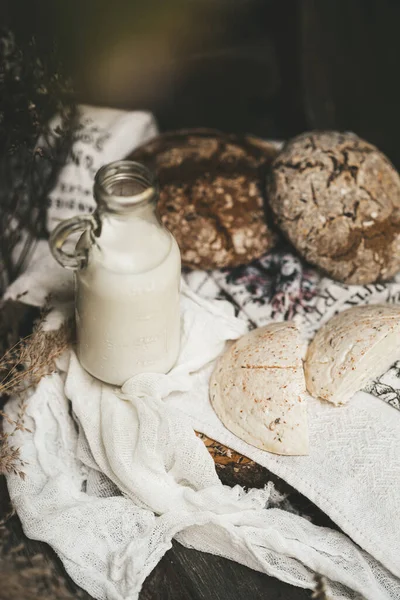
(351, 349)
(258, 390)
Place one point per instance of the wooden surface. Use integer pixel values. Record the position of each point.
(190, 575)
(30, 570)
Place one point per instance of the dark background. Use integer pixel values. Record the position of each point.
(269, 67)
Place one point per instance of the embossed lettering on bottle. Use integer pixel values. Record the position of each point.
(127, 275)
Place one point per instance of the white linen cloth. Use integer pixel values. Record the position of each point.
(109, 487)
(136, 441)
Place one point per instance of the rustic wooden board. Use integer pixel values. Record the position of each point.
(199, 576)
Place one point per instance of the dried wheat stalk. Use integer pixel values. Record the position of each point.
(33, 88)
(320, 590)
(32, 357)
(21, 367)
(10, 458)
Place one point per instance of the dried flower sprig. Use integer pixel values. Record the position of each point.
(320, 590)
(10, 456)
(33, 88)
(21, 367)
(32, 357)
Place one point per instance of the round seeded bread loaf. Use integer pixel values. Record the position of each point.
(258, 390)
(212, 194)
(337, 199)
(352, 349)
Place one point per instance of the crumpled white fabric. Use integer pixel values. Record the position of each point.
(136, 441)
(141, 442)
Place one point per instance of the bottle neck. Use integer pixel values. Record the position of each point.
(133, 241)
(130, 236)
(141, 212)
(123, 187)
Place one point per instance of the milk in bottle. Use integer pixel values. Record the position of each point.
(127, 276)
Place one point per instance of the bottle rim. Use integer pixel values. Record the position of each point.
(114, 176)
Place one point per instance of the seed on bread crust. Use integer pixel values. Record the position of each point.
(212, 188)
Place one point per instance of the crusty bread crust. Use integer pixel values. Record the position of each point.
(350, 350)
(258, 390)
(337, 198)
(212, 194)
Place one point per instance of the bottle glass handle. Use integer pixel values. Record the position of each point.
(60, 234)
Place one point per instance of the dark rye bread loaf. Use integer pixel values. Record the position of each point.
(212, 188)
(337, 199)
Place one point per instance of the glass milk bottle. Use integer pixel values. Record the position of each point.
(127, 277)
